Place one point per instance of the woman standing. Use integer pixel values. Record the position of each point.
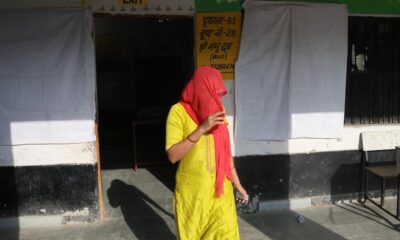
(197, 135)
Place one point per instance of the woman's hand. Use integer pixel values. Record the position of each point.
(212, 120)
(179, 150)
(242, 197)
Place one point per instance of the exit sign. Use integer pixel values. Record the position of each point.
(132, 3)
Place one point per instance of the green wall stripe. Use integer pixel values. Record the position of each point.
(218, 5)
(390, 7)
(363, 6)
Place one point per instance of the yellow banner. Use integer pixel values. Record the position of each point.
(132, 3)
(217, 41)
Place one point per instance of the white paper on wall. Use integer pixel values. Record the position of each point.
(291, 71)
(47, 77)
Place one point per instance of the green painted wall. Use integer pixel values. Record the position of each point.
(218, 5)
(391, 7)
(363, 6)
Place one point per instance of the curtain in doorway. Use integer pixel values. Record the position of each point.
(47, 77)
(291, 71)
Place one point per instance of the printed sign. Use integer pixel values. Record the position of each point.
(132, 3)
(217, 41)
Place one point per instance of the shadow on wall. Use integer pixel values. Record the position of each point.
(9, 210)
(280, 177)
(267, 176)
(9, 224)
(345, 182)
(141, 213)
(347, 179)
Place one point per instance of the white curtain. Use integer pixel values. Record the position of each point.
(291, 71)
(47, 77)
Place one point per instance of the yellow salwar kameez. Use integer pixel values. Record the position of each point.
(198, 213)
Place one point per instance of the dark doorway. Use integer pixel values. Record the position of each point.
(142, 65)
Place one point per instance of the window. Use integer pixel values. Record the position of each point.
(373, 71)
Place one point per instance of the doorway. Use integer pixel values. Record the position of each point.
(142, 66)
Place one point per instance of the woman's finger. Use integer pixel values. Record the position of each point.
(218, 123)
(220, 118)
(218, 114)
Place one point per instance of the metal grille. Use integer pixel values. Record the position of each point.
(373, 71)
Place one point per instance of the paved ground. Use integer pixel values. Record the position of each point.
(139, 206)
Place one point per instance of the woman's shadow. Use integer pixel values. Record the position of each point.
(138, 213)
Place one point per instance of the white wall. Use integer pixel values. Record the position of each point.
(41, 3)
(54, 154)
(350, 140)
(154, 7)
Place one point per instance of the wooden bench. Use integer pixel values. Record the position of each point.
(378, 141)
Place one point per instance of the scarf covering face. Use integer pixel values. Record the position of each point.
(200, 98)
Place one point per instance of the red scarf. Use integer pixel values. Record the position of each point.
(200, 98)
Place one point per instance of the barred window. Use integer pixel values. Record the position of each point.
(373, 71)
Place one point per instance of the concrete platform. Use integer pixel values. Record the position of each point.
(138, 205)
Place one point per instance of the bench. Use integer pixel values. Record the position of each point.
(378, 141)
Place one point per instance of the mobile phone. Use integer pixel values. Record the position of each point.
(240, 197)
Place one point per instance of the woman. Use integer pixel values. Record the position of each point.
(198, 137)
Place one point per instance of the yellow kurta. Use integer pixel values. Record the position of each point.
(198, 213)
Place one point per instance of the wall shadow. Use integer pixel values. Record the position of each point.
(140, 212)
(9, 212)
(283, 177)
(346, 182)
(267, 176)
(9, 204)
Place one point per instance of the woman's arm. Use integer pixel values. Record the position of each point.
(180, 149)
(236, 182)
